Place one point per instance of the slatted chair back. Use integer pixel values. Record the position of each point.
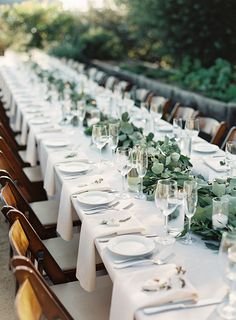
(141, 95)
(231, 136)
(34, 299)
(213, 129)
(9, 137)
(9, 152)
(100, 78)
(13, 197)
(111, 82)
(122, 87)
(92, 72)
(25, 241)
(183, 112)
(156, 101)
(32, 191)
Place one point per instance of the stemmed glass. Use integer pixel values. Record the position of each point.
(177, 128)
(113, 129)
(227, 262)
(100, 138)
(190, 205)
(166, 198)
(141, 166)
(156, 110)
(81, 109)
(124, 165)
(230, 157)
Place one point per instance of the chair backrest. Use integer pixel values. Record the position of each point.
(92, 73)
(123, 86)
(214, 129)
(140, 95)
(34, 299)
(100, 78)
(111, 82)
(25, 241)
(164, 102)
(5, 133)
(10, 154)
(231, 136)
(13, 197)
(183, 112)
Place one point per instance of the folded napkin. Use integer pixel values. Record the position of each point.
(91, 229)
(54, 159)
(149, 287)
(70, 187)
(214, 163)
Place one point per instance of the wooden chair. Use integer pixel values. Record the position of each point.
(100, 78)
(27, 177)
(42, 214)
(10, 154)
(64, 301)
(55, 257)
(111, 82)
(8, 135)
(183, 112)
(122, 87)
(212, 130)
(163, 102)
(140, 95)
(92, 72)
(231, 136)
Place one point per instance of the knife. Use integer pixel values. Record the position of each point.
(177, 306)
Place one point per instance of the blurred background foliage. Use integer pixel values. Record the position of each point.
(186, 42)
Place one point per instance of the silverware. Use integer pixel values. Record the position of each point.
(107, 239)
(111, 205)
(157, 261)
(115, 221)
(177, 306)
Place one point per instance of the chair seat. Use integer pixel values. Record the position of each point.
(22, 154)
(64, 252)
(33, 173)
(46, 211)
(84, 305)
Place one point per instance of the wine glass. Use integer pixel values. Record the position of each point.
(230, 154)
(100, 138)
(124, 165)
(81, 104)
(141, 166)
(190, 205)
(156, 110)
(177, 128)
(227, 263)
(113, 129)
(166, 199)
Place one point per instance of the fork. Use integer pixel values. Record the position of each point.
(157, 261)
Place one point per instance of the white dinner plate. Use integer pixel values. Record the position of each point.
(205, 148)
(165, 129)
(131, 245)
(40, 121)
(95, 198)
(74, 167)
(57, 143)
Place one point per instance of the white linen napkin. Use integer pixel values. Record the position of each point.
(214, 163)
(90, 230)
(54, 159)
(128, 290)
(69, 187)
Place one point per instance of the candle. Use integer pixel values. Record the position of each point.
(219, 221)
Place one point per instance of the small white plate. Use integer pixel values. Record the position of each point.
(73, 167)
(39, 121)
(56, 143)
(205, 148)
(131, 245)
(95, 198)
(165, 129)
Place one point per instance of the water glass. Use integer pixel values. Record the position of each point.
(81, 109)
(227, 263)
(230, 153)
(190, 205)
(176, 218)
(192, 127)
(124, 164)
(166, 199)
(219, 212)
(177, 128)
(156, 110)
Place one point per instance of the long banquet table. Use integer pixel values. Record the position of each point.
(201, 263)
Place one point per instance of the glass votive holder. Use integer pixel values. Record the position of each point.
(219, 212)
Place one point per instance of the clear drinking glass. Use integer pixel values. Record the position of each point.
(100, 138)
(156, 110)
(81, 109)
(113, 130)
(141, 165)
(190, 205)
(124, 164)
(230, 153)
(227, 263)
(177, 128)
(192, 127)
(219, 212)
(166, 198)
